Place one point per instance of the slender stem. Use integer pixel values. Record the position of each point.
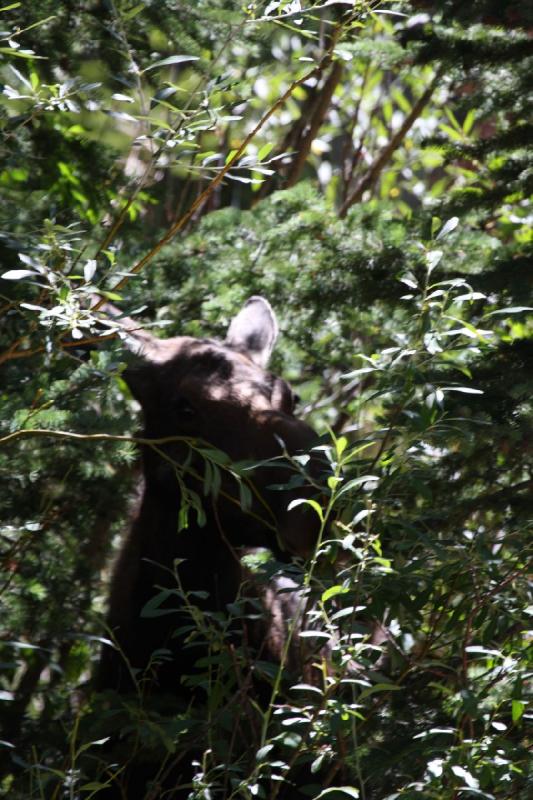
(200, 200)
(377, 166)
(152, 443)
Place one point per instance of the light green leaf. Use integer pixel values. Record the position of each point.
(111, 295)
(469, 121)
(340, 445)
(264, 151)
(21, 53)
(333, 591)
(133, 11)
(518, 707)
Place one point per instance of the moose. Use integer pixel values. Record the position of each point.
(194, 394)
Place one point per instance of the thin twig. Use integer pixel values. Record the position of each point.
(375, 169)
(323, 103)
(200, 200)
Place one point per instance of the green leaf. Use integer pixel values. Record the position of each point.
(231, 155)
(466, 776)
(306, 687)
(340, 445)
(433, 258)
(517, 707)
(17, 274)
(338, 792)
(89, 269)
(166, 62)
(356, 483)
(241, 179)
(452, 133)
(436, 732)
(304, 501)
(401, 100)
(245, 496)
(21, 53)
(463, 389)
(263, 752)
(469, 121)
(183, 517)
(317, 764)
(127, 15)
(264, 151)
(153, 607)
(333, 482)
(379, 687)
(333, 591)
(409, 280)
(510, 310)
(218, 456)
(453, 119)
(315, 635)
(448, 227)
(122, 98)
(93, 786)
(96, 743)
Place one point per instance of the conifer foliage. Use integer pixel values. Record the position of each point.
(366, 167)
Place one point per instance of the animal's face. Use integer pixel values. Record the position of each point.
(207, 390)
(221, 393)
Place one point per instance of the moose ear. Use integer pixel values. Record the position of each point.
(254, 330)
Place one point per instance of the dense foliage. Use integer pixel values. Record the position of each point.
(365, 167)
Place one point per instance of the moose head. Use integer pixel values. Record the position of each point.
(200, 396)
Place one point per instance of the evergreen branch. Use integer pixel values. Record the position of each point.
(193, 443)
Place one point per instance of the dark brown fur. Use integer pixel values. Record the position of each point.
(222, 395)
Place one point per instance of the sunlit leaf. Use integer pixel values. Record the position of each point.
(463, 389)
(448, 227)
(17, 274)
(166, 62)
(305, 501)
(338, 792)
(333, 591)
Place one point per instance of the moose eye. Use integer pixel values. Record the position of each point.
(184, 407)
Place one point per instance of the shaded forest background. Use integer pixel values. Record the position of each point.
(365, 167)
